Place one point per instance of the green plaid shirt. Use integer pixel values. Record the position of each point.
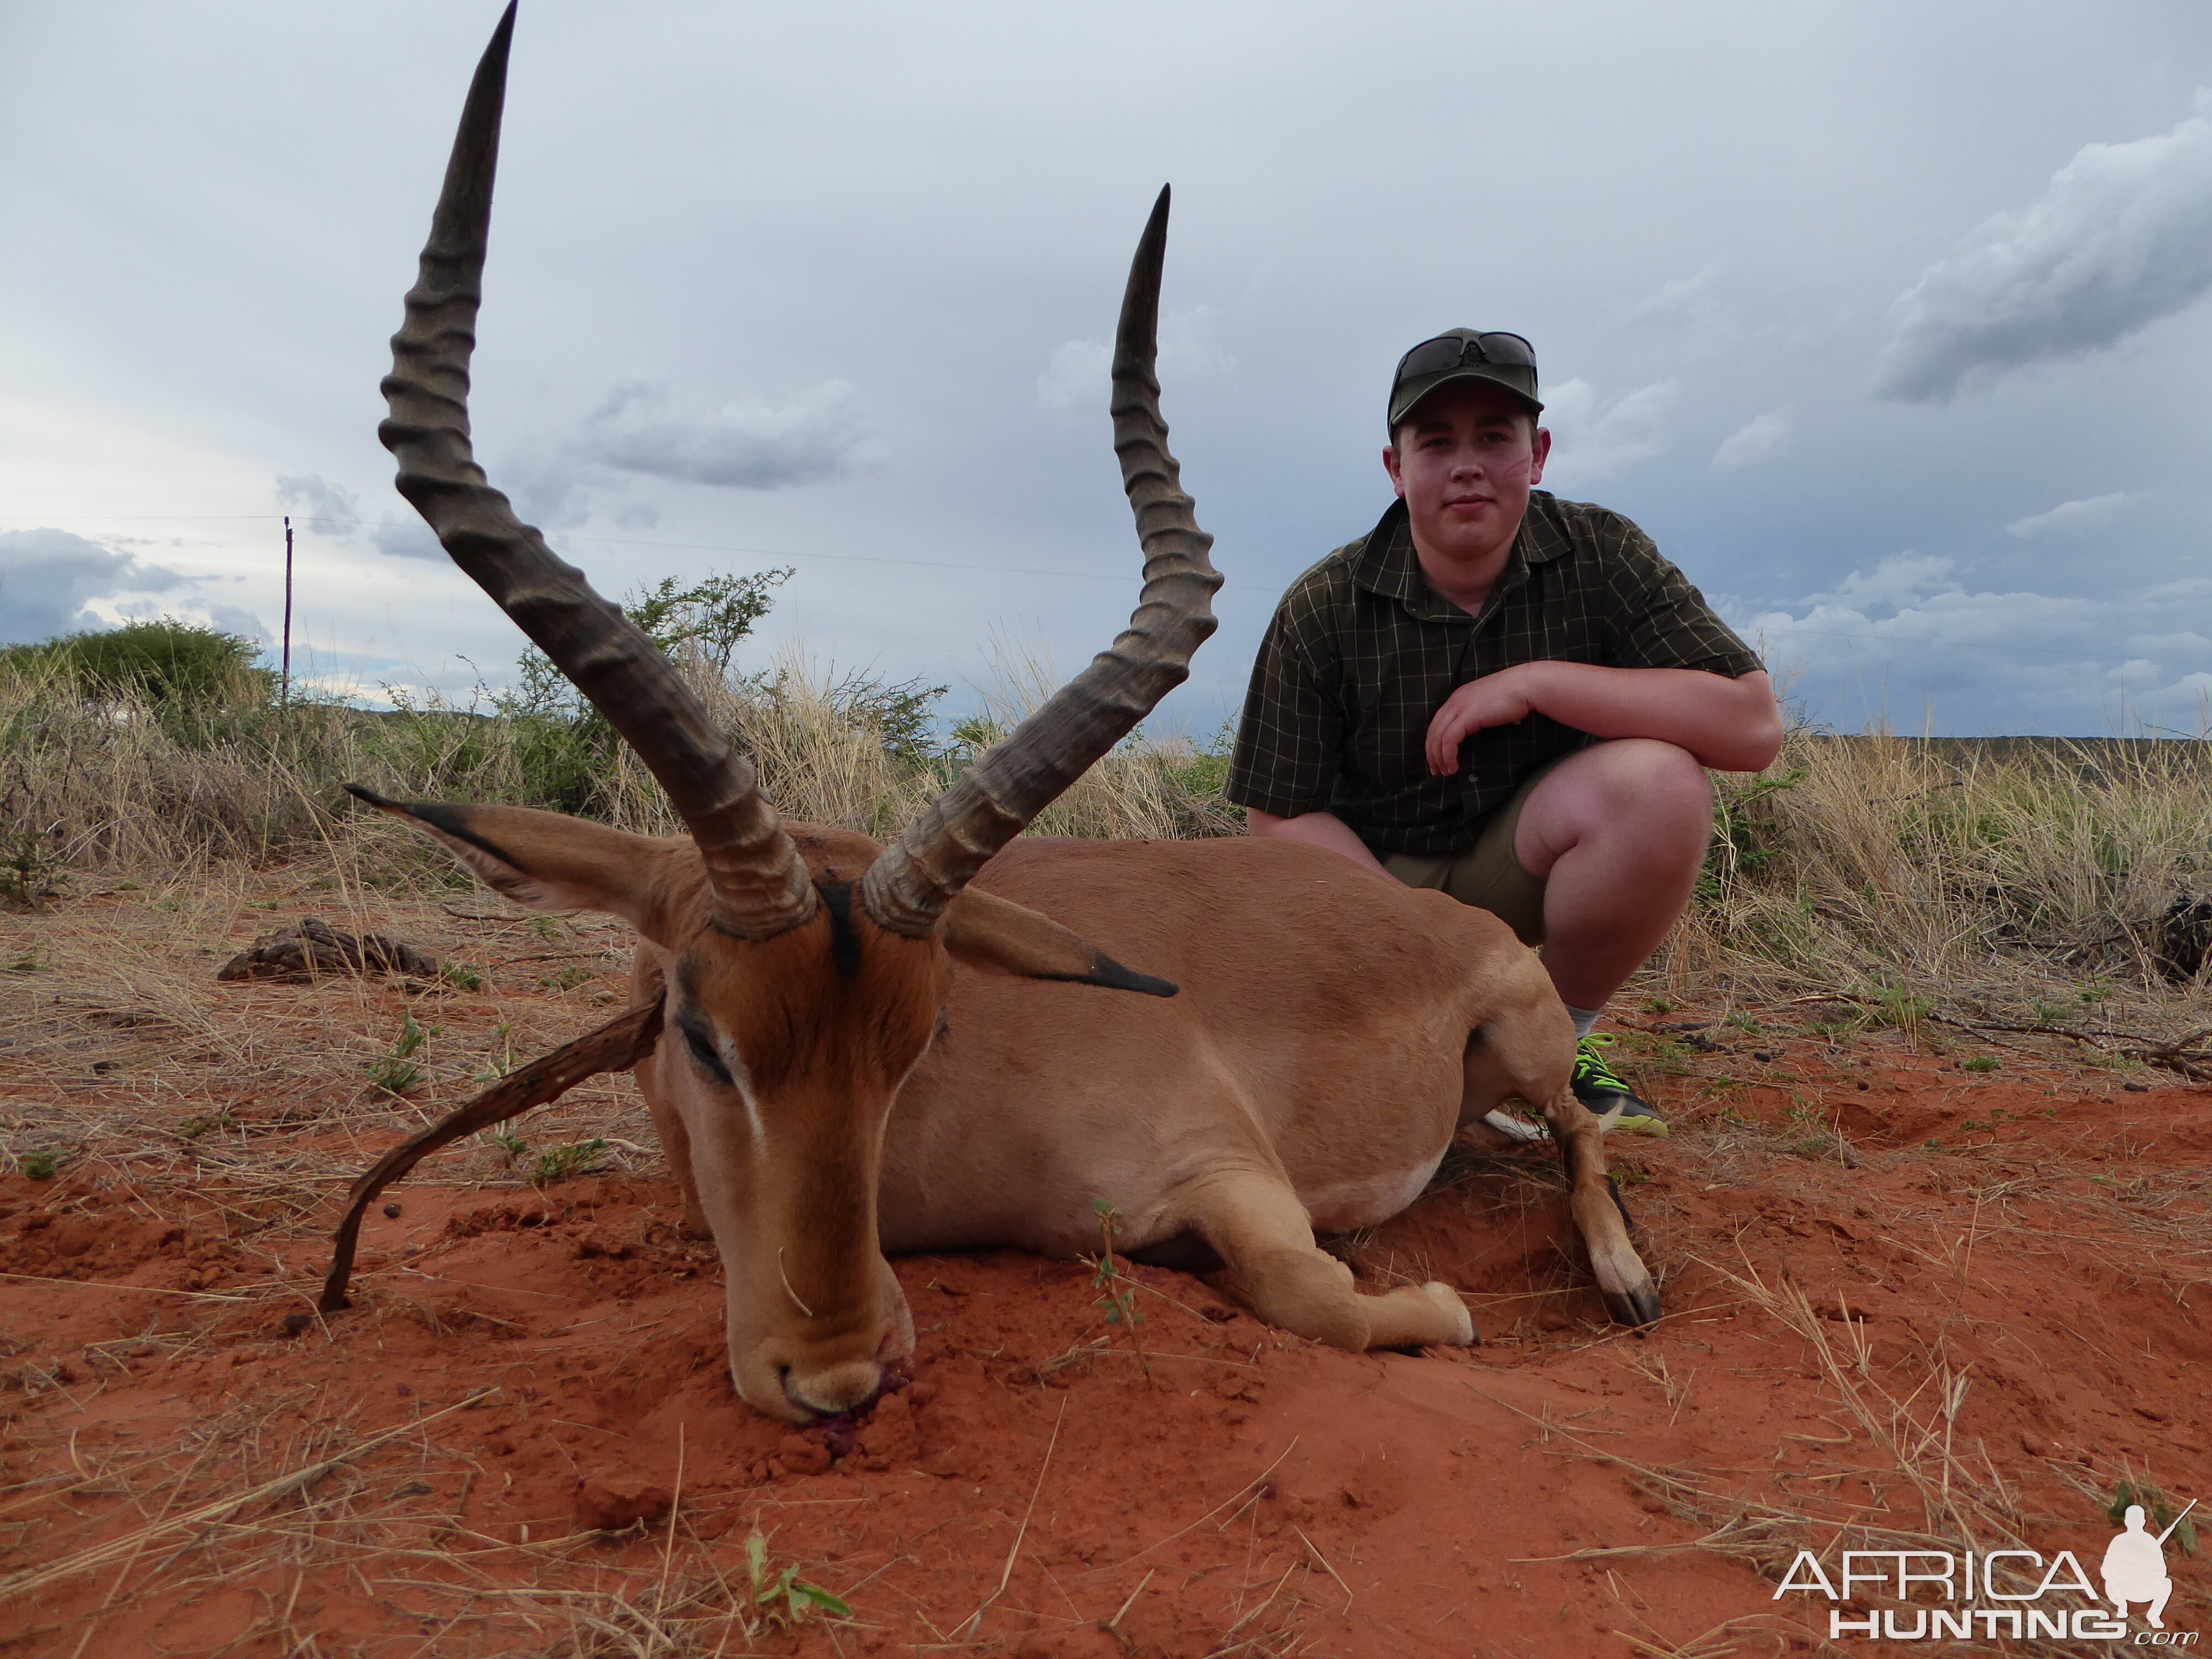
(1361, 654)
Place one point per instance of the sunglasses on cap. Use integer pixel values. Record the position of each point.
(1449, 351)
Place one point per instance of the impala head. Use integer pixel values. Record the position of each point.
(803, 973)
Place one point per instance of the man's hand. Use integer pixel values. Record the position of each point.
(1499, 698)
(1729, 724)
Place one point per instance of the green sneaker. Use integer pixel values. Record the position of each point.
(1600, 1089)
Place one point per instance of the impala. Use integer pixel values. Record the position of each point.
(851, 1047)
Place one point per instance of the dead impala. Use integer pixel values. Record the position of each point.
(1331, 1030)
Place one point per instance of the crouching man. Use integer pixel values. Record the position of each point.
(1505, 695)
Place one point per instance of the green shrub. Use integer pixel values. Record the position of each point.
(163, 662)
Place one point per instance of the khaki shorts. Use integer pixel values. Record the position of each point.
(1487, 875)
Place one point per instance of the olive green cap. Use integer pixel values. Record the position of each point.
(1518, 378)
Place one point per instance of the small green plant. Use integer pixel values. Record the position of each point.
(2050, 1013)
(567, 980)
(785, 1598)
(541, 928)
(2158, 1512)
(1119, 1299)
(194, 1127)
(26, 962)
(1895, 1005)
(461, 976)
(397, 1071)
(1659, 1005)
(493, 1070)
(566, 1163)
(41, 1166)
(1980, 1063)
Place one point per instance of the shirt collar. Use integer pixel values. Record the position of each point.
(1389, 566)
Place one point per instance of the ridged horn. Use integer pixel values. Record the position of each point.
(760, 885)
(908, 887)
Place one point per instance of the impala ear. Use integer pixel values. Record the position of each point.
(551, 861)
(997, 935)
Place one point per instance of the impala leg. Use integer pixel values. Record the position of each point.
(1595, 1203)
(1255, 1223)
(647, 985)
(675, 1145)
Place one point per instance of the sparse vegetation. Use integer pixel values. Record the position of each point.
(399, 1070)
(566, 1163)
(1118, 1299)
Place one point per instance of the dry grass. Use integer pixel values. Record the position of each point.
(2037, 883)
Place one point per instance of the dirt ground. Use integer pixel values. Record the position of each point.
(1921, 1291)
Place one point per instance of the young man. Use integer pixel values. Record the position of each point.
(1505, 695)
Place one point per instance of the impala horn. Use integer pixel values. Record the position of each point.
(760, 885)
(908, 887)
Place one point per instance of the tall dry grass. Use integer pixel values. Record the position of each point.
(121, 782)
(1878, 865)
(2050, 877)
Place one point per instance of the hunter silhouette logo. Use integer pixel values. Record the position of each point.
(2135, 1566)
(2009, 1594)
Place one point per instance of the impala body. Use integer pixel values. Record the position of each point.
(810, 978)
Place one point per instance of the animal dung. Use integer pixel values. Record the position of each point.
(314, 949)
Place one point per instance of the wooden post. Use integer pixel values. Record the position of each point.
(287, 699)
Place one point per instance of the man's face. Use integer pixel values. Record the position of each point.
(1464, 465)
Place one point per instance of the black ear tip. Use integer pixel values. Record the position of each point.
(362, 793)
(1153, 988)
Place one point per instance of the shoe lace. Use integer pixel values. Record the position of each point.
(1590, 1066)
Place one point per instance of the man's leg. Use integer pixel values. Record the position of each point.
(1616, 833)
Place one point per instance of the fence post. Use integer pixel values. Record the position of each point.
(286, 701)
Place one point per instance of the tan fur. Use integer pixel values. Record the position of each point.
(1331, 1033)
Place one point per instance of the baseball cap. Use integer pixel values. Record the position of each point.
(1464, 353)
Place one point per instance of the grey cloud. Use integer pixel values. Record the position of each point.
(2122, 237)
(405, 537)
(1683, 306)
(48, 576)
(1078, 374)
(329, 509)
(2069, 516)
(1908, 626)
(818, 434)
(233, 619)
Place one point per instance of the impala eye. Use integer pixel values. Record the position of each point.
(703, 1052)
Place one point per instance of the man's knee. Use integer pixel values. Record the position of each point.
(1653, 793)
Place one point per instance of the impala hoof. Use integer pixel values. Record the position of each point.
(1635, 1308)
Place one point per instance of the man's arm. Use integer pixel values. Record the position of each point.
(1316, 829)
(1729, 725)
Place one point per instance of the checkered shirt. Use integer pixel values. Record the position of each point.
(1361, 653)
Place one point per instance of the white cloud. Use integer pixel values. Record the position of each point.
(1592, 437)
(640, 427)
(1760, 439)
(328, 509)
(1078, 374)
(1684, 306)
(2073, 516)
(2122, 237)
(1908, 629)
(406, 537)
(48, 577)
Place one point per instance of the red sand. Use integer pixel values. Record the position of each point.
(1258, 1494)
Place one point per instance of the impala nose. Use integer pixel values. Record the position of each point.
(834, 1389)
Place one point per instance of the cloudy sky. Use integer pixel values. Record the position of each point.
(1887, 320)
